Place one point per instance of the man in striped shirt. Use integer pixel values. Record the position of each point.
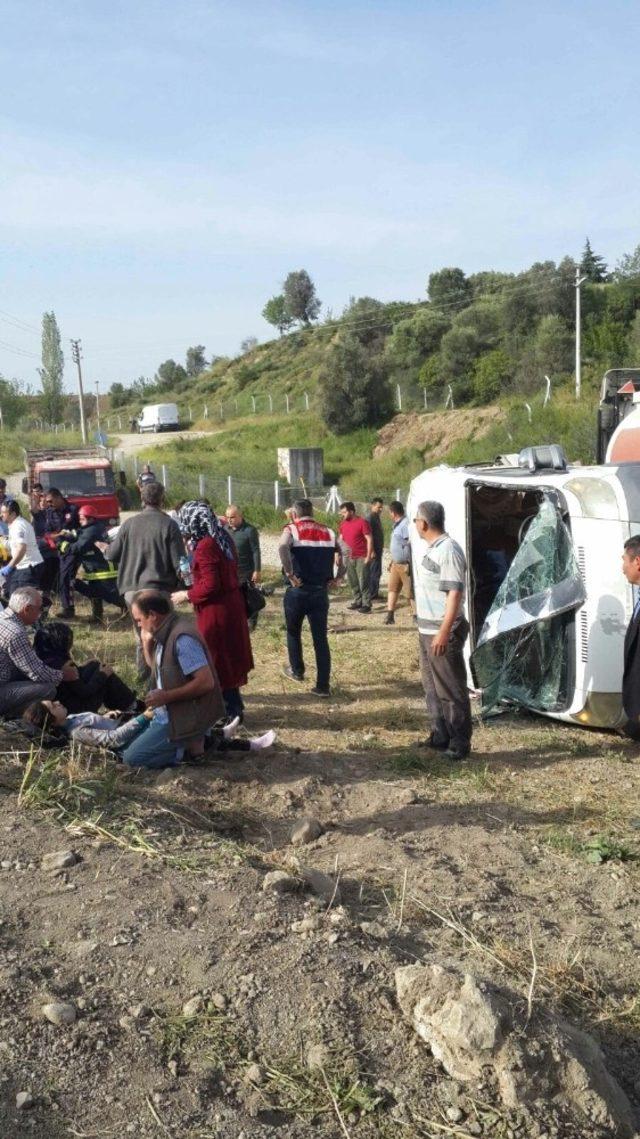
(24, 678)
(308, 552)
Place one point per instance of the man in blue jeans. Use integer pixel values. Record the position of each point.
(309, 552)
(186, 693)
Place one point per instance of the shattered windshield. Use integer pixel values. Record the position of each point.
(522, 655)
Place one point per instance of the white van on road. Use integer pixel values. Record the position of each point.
(159, 417)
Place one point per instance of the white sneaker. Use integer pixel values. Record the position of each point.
(261, 742)
(230, 730)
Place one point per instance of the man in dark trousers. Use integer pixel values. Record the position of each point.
(308, 552)
(443, 630)
(58, 516)
(374, 518)
(355, 536)
(246, 540)
(631, 673)
(99, 580)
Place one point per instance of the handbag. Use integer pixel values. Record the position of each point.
(254, 598)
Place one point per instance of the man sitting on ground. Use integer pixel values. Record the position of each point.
(23, 676)
(186, 696)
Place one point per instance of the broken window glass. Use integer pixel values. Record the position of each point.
(523, 654)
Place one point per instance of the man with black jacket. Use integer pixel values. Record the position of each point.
(99, 577)
(374, 518)
(308, 552)
(58, 515)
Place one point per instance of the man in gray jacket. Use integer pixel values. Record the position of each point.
(147, 551)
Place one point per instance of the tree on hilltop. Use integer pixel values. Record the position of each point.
(51, 372)
(275, 312)
(593, 266)
(449, 289)
(195, 362)
(170, 375)
(300, 298)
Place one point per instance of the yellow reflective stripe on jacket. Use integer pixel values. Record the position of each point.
(101, 575)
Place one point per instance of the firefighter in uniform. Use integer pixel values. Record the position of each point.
(99, 577)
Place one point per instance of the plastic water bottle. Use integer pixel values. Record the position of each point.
(185, 571)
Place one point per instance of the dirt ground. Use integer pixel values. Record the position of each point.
(434, 433)
(293, 1029)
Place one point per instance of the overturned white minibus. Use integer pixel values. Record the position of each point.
(546, 599)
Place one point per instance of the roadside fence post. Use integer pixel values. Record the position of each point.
(221, 411)
(190, 415)
(119, 424)
(201, 485)
(229, 490)
(135, 465)
(287, 402)
(306, 401)
(270, 403)
(253, 401)
(165, 480)
(276, 494)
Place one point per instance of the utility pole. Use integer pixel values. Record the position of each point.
(579, 281)
(76, 346)
(98, 404)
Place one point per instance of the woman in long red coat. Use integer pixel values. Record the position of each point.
(218, 601)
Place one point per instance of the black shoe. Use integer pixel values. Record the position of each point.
(355, 605)
(291, 675)
(320, 691)
(66, 614)
(389, 619)
(365, 608)
(435, 745)
(456, 753)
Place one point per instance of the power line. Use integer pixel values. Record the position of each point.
(18, 351)
(17, 322)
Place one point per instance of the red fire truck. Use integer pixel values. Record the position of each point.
(84, 476)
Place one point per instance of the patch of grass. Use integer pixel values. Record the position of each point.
(604, 848)
(598, 849)
(208, 1035)
(336, 1088)
(429, 763)
(56, 783)
(12, 443)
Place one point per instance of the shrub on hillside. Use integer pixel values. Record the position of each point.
(354, 387)
(491, 375)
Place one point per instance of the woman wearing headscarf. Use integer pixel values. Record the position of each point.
(217, 599)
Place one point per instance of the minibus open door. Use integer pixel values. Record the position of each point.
(524, 653)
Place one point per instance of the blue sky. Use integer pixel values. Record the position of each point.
(165, 165)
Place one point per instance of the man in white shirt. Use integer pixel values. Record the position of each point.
(25, 566)
(443, 630)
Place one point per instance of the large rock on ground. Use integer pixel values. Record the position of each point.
(469, 1025)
